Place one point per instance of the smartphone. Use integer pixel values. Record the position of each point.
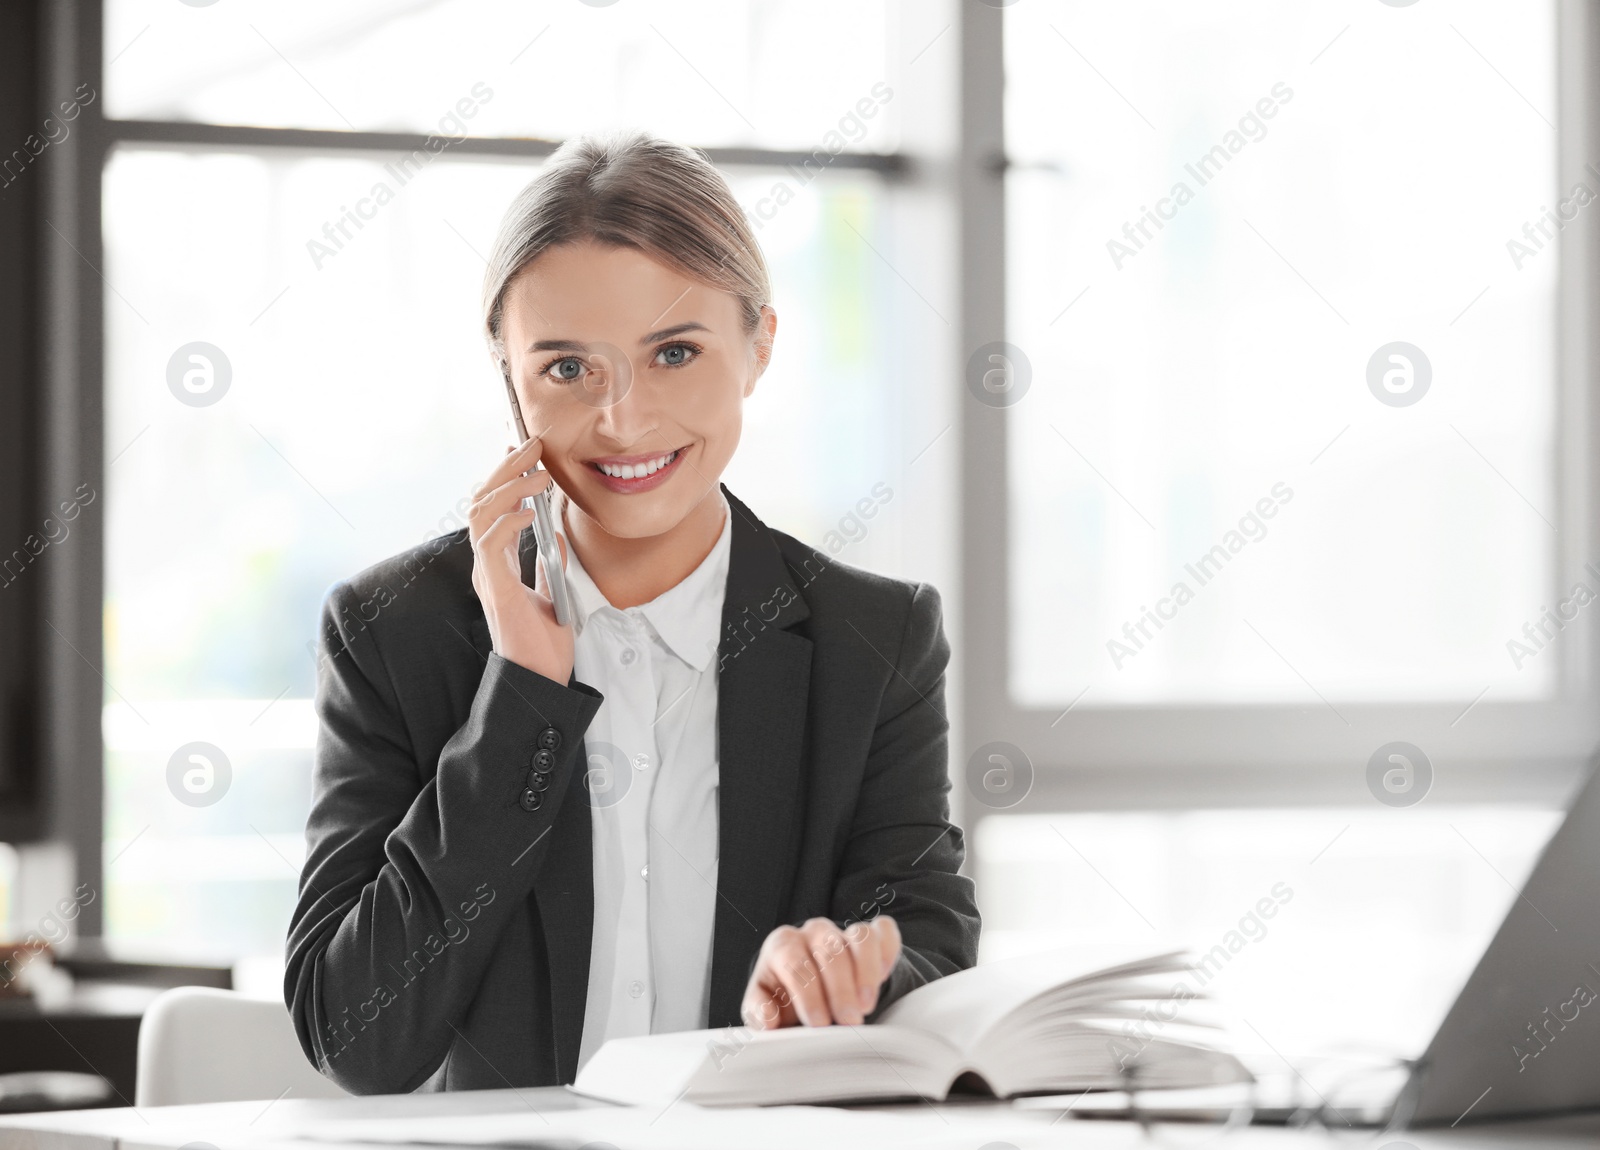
(544, 529)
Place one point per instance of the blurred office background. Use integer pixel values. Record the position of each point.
(1013, 360)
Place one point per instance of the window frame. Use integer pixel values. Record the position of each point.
(21, 464)
(1088, 758)
(1166, 756)
(73, 348)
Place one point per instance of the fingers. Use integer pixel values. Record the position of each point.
(817, 974)
(890, 935)
(505, 530)
(500, 540)
(782, 990)
(491, 497)
(830, 953)
(766, 1007)
(796, 973)
(866, 959)
(874, 950)
(490, 503)
(516, 461)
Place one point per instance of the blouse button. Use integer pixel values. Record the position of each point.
(628, 655)
(635, 988)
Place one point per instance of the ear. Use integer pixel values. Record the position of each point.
(766, 331)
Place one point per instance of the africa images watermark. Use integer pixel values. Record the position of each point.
(1137, 1035)
(55, 533)
(1543, 1031)
(452, 130)
(55, 132)
(1252, 129)
(1252, 528)
(342, 1029)
(1536, 234)
(52, 928)
(411, 565)
(1541, 632)
(746, 628)
(850, 528)
(851, 129)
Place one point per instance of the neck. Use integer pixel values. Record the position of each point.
(630, 572)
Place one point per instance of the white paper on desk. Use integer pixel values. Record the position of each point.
(654, 1128)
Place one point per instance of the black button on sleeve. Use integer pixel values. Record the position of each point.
(531, 800)
(543, 760)
(538, 781)
(550, 739)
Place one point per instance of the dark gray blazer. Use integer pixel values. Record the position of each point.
(444, 926)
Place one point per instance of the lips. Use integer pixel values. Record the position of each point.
(633, 474)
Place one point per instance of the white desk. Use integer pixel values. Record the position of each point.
(549, 1113)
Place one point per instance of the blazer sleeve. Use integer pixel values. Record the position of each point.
(904, 855)
(408, 884)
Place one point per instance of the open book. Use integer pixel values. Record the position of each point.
(1090, 1018)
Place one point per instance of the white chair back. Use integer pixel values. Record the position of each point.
(199, 1044)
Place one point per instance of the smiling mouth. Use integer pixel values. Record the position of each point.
(637, 470)
(638, 474)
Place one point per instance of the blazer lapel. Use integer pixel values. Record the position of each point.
(762, 693)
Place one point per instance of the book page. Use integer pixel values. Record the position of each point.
(962, 1007)
(826, 1064)
(736, 1065)
(652, 1069)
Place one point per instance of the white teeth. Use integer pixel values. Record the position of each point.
(637, 470)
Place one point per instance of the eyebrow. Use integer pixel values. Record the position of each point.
(669, 332)
(652, 337)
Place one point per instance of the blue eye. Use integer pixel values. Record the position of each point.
(568, 369)
(676, 354)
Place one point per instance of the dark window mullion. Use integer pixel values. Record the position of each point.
(181, 132)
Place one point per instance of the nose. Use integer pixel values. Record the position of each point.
(623, 412)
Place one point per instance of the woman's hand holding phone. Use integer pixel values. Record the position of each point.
(522, 619)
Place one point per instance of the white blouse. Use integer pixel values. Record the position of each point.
(651, 782)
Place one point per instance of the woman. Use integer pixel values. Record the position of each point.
(719, 795)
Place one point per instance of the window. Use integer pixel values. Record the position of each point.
(992, 301)
(1206, 257)
(345, 405)
(768, 75)
(1367, 920)
(1294, 459)
(1285, 409)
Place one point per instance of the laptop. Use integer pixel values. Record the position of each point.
(1521, 1040)
(1523, 1037)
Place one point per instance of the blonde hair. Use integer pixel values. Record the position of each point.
(629, 189)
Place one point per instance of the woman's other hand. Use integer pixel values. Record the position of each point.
(818, 974)
(522, 619)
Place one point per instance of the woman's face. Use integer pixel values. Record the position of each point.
(634, 377)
